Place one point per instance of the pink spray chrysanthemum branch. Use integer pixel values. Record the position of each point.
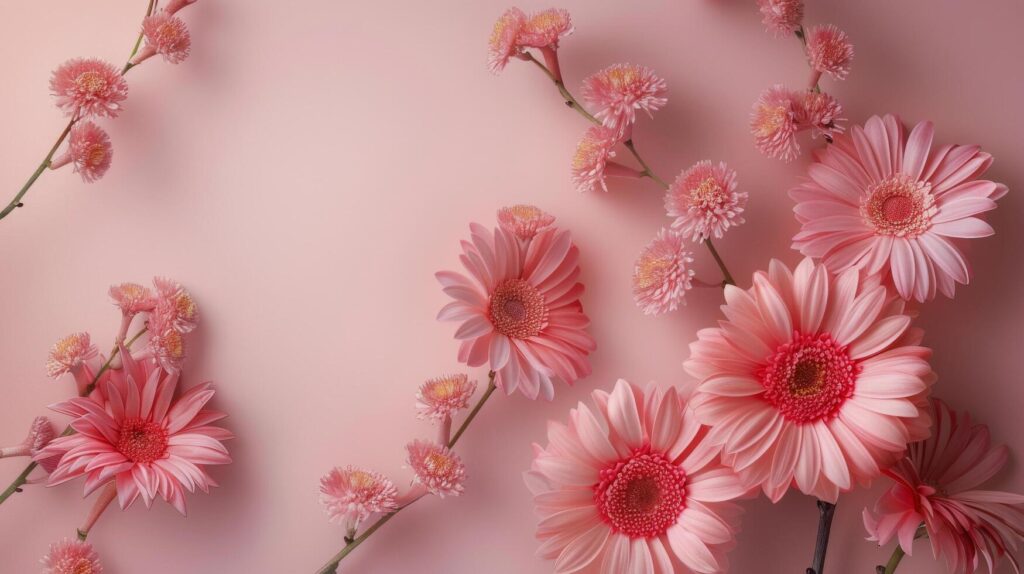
(92, 88)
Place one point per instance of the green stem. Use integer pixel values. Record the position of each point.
(898, 554)
(18, 482)
(113, 354)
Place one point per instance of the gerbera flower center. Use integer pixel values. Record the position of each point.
(770, 120)
(437, 464)
(899, 206)
(96, 154)
(517, 309)
(809, 378)
(652, 269)
(91, 82)
(142, 440)
(707, 195)
(444, 389)
(622, 78)
(641, 496)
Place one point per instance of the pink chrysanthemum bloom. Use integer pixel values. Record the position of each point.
(166, 35)
(436, 468)
(618, 91)
(524, 221)
(134, 432)
(520, 313)
(891, 204)
(88, 87)
(89, 150)
(132, 298)
(591, 160)
(441, 397)
(69, 354)
(39, 435)
(633, 485)
(704, 202)
(774, 123)
(504, 43)
(783, 17)
(175, 5)
(822, 113)
(166, 344)
(175, 305)
(937, 486)
(71, 557)
(662, 274)
(829, 51)
(811, 378)
(545, 28)
(350, 495)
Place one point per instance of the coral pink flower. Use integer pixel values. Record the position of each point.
(633, 485)
(618, 91)
(889, 203)
(704, 202)
(812, 378)
(175, 305)
(822, 113)
(132, 298)
(350, 495)
(88, 87)
(89, 150)
(524, 221)
(504, 43)
(133, 432)
(545, 28)
(774, 124)
(175, 5)
(591, 163)
(70, 354)
(783, 17)
(166, 345)
(936, 484)
(39, 435)
(71, 557)
(436, 468)
(829, 51)
(520, 313)
(662, 274)
(441, 397)
(165, 35)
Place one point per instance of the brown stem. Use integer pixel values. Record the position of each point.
(826, 511)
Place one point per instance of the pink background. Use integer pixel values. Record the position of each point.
(307, 170)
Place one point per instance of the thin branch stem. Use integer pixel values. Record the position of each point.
(476, 409)
(826, 511)
(898, 554)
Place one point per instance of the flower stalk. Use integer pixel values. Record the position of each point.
(826, 511)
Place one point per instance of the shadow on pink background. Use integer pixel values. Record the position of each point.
(312, 164)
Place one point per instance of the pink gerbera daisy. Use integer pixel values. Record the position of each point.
(618, 91)
(132, 298)
(350, 495)
(71, 557)
(889, 203)
(704, 202)
(633, 485)
(436, 468)
(937, 486)
(592, 160)
(175, 305)
(520, 313)
(133, 432)
(166, 35)
(545, 28)
(89, 150)
(782, 17)
(441, 397)
(524, 221)
(88, 87)
(811, 378)
(70, 354)
(774, 123)
(504, 43)
(662, 274)
(40, 433)
(829, 51)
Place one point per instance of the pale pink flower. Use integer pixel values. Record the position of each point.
(812, 378)
(829, 51)
(175, 305)
(937, 485)
(441, 397)
(633, 485)
(524, 221)
(822, 113)
(520, 313)
(132, 298)
(436, 468)
(88, 87)
(166, 35)
(703, 201)
(40, 433)
(70, 354)
(166, 344)
(783, 17)
(890, 204)
(132, 431)
(774, 123)
(175, 5)
(89, 150)
(662, 274)
(592, 159)
(618, 91)
(504, 42)
(71, 557)
(545, 28)
(350, 495)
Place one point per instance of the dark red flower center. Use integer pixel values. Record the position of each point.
(517, 309)
(641, 496)
(809, 378)
(142, 440)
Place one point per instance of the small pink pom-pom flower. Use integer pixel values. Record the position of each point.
(88, 87)
(704, 201)
(822, 113)
(662, 274)
(165, 35)
(175, 305)
(829, 51)
(592, 158)
(350, 495)
(545, 28)
(504, 43)
(782, 17)
(132, 298)
(166, 344)
(71, 557)
(175, 5)
(69, 354)
(39, 435)
(619, 90)
(524, 221)
(89, 150)
(773, 122)
(441, 397)
(437, 468)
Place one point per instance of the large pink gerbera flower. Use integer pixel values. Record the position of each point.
(937, 486)
(71, 557)
(633, 485)
(88, 87)
(891, 204)
(132, 431)
(812, 378)
(520, 313)
(618, 91)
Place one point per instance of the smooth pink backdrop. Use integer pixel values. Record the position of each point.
(312, 164)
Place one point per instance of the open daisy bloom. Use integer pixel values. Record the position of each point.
(937, 485)
(520, 310)
(892, 204)
(633, 485)
(71, 557)
(350, 495)
(811, 378)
